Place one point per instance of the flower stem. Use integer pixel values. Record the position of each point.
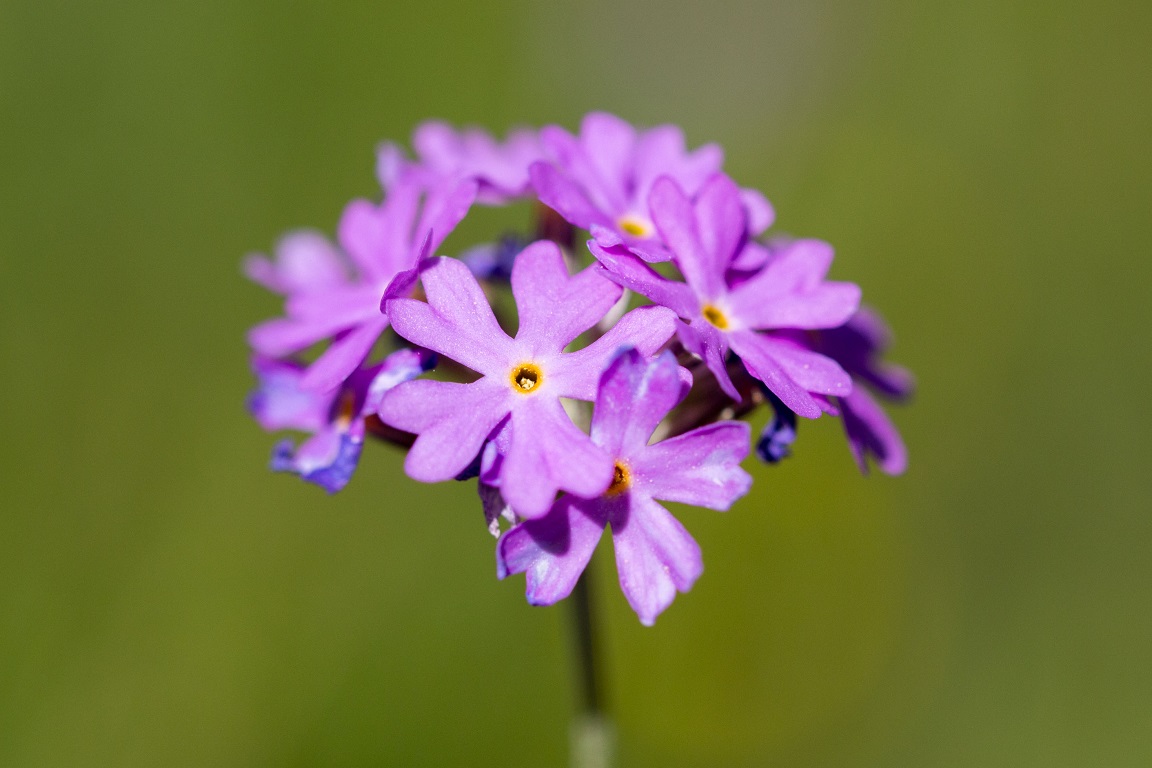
(591, 736)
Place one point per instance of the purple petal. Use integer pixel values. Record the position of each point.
(564, 196)
(704, 340)
(400, 366)
(553, 551)
(456, 321)
(609, 143)
(790, 292)
(722, 222)
(655, 556)
(452, 422)
(285, 336)
(871, 432)
(305, 261)
(646, 329)
(328, 458)
(759, 210)
(343, 357)
(280, 403)
(556, 307)
(378, 238)
(675, 219)
(701, 467)
(444, 208)
(548, 453)
(634, 396)
(629, 271)
(759, 356)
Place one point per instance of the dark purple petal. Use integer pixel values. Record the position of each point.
(343, 357)
(655, 556)
(646, 329)
(456, 321)
(548, 453)
(629, 271)
(633, 397)
(553, 551)
(701, 467)
(858, 345)
(327, 459)
(556, 307)
(779, 433)
(871, 432)
(452, 422)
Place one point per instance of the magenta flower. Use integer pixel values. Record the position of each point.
(788, 291)
(521, 379)
(655, 555)
(335, 293)
(446, 155)
(601, 180)
(857, 346)
(335, 419)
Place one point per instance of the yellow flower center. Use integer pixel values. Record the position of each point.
(621, 479)
(526, 377)
(635, 226)
(714, 316)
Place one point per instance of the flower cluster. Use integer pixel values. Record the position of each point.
(574, 413)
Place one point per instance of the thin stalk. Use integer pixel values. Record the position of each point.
(591, 737)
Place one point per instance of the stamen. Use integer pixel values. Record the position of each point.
(346, 410)
(527, 377)
(714, 316)
(621, 479)
(635, 226)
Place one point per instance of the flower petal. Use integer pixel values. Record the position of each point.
(553, 551)
(701, 467)
(556, 307)
(655, 556)
(645, 328)
(451, 422)
(548, 453)
(758, 354)
(625, 269)
(456, 321)
(343, 357)
(675, 219)
(871, 432)
(633, 397)
(790, 291)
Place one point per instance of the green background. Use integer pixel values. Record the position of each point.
(983, 169)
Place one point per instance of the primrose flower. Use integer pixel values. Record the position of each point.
(335, 293)
(857, 346)
(446, 155)
(517, 397)
(655, 555)
(601, 180)
(788, 291)
(336, 419)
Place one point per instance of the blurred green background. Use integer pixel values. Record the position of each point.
(983, 169)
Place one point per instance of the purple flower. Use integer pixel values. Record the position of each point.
(788, 291)
(655, 555)
(601, 180)
(516, 400)
(857, 346)
(446, 155)
(335, 419)
(335, 293)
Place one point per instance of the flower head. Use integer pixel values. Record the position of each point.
(788, 291)
(517, 399)
(655, 555)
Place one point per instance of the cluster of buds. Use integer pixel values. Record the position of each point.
(590, 413)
